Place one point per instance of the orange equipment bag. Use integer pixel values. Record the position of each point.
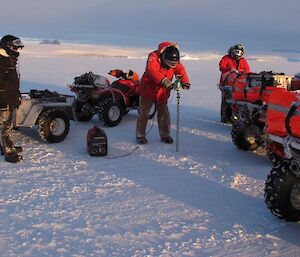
(283, 114)
(254, 87)
(240, 85)
(228, 78)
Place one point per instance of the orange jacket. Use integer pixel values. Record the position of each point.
(151, 87)
(227, 63)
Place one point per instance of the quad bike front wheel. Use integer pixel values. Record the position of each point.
(282, 192)
(246, 136)
(274, 158)
(111, 112)
(53, 125)
(83, 111)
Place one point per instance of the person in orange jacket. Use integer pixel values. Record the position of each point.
(233, 61)
(156, 85)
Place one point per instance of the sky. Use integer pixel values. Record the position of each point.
(199, 25)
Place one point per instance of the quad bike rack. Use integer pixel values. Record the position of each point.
(50, 111)
(248, 103)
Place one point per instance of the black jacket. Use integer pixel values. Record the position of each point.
(9, 81)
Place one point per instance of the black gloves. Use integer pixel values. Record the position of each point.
(185, 86)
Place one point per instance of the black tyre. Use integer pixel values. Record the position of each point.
(83, 111)
(274, 158)
(54, 126)
(111, 112)
(282, 193)
(246, 136)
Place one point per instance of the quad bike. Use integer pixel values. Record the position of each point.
(249, 103)
(282, 187)
(95, 95)
(50, 111)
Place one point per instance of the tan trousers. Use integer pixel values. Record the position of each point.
(163, 118)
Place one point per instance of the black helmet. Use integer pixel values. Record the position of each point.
(170, 56)
(237, 51)
(11, 45)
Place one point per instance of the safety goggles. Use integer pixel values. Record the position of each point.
(16, 44)
(237, 52)
(171, 64)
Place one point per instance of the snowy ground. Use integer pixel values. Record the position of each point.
(205, 200)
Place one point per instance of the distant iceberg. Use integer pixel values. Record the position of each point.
(285, 51)
(50, 42)
(293, 59)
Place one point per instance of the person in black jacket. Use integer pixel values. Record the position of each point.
(9, 94)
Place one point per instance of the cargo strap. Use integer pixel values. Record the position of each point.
(228, 75)
(288, 117)
(247, 85)
(263, 84)
(286, 146)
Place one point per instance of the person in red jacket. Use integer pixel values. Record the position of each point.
(233, 61)
(156, 85)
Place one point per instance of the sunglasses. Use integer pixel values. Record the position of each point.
(171, 64)
(16, 44)
(237, 52)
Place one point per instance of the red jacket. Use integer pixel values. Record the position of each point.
(151, 87)
(228, 63)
